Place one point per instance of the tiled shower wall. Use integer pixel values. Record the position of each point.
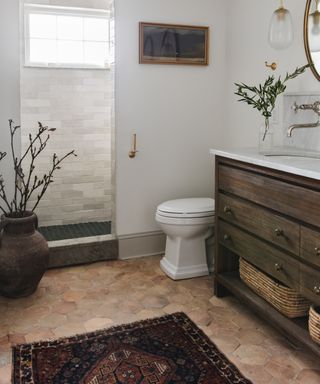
(79, 104)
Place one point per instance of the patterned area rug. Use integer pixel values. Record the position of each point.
(170, 349)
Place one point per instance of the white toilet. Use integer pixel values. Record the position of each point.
(187, 224)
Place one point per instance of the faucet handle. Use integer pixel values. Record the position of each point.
(295, 107)
(316, 107)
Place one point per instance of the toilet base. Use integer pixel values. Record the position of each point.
(183, 272)
(185, 257)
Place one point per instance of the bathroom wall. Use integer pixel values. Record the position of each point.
(79, 104)
(247, 50)
(9, 80)
(176, 111)
(183, 111)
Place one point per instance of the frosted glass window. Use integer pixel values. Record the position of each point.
(96, 29)
(70, 52)
(43, 51)
(70, 28)
(111, 41)
(96, 53)
(43, 26)
(60, 37)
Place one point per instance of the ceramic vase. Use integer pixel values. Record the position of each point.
(24, 255)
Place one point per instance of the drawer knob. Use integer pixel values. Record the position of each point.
(227, 209)
(316, 289)
(278, 267)
(317, 250)
(279, 232)
(226, 237)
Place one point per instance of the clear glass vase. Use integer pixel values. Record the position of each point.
(266, 133)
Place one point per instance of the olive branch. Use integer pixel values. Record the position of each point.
(263, 97)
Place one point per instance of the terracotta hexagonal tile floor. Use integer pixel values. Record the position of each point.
(79, 299)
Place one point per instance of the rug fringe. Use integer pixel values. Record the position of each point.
(76, 336)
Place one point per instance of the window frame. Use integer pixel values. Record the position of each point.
(60, 11)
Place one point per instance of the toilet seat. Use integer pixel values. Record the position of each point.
(187, 208)
(184, 221)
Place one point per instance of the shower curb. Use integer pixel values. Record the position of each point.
(77, 253)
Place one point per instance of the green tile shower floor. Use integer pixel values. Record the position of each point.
(75, 231)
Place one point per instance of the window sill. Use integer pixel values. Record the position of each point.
(66, 66)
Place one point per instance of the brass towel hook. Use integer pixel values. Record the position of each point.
(133, 151)
(272, 66)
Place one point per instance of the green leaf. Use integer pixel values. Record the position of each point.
(263, 97)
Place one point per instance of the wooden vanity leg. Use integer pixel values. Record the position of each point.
(219, 290)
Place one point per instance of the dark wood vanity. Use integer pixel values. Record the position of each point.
(270, 218)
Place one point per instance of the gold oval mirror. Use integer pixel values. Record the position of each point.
(312, 35)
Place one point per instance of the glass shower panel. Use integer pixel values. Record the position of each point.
(79, 103)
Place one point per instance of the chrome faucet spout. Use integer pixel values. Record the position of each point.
(315, 107)
(295, 126)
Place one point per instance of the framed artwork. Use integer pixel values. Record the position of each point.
(173, 44)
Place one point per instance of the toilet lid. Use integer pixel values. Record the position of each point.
(193, 207)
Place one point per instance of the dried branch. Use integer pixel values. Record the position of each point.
(13, 129)
(2, 188)
(34, 152)
(25, 184)
(3, 196)
(32, 141)
(47, 179)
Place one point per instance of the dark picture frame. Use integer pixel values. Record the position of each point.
(173, 44)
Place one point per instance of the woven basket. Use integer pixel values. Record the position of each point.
(286, 300)
(314, 323)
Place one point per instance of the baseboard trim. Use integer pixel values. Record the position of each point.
(142, 244)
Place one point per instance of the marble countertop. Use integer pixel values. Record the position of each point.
(303, 166)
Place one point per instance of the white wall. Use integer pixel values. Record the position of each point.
(247, 50)
(9, 79)
(176, 111)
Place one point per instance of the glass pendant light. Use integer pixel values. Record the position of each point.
(281, 28)
(314, 29)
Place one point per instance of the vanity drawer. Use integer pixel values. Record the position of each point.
(310, 245)
(289, 199)
(260, 222)
(310, 283)
(264, 256)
